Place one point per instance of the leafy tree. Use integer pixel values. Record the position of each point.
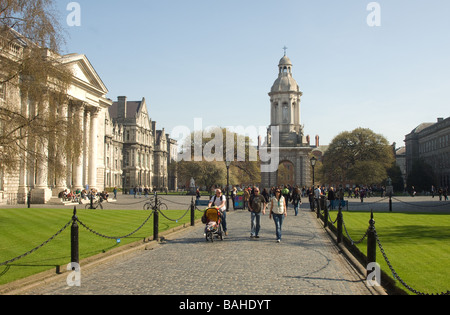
(361, 156)
(208, 167)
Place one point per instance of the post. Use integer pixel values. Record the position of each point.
(340, 222)
(29, 199)
(192, 212)
(371, 242)
(74, 244)
(325, 214)
(390, 202)
(156, 219)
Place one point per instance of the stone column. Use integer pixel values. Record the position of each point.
(86, 136)
(61, 182)
(78, 161)
(93, 148)
(41, 193)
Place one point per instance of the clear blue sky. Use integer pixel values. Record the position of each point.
(217, 60)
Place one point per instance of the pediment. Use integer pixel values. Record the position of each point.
(84, 72)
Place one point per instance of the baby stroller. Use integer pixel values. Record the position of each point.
(212, 219)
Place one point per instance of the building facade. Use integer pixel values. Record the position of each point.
(138, 155)
(430, 142)
(293, 147)
(86, 107)
(120, 146)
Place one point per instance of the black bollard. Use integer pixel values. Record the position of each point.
(371, 242)
(156, 219)
(192, 212)
(390, 202)
(75, 257)
(325, 216)
(340, 221)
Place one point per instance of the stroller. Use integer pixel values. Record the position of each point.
(212, 219)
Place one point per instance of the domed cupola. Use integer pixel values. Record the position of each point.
(285, 82)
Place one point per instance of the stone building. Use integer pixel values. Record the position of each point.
(430, 142)
(137, 153)
(293, 147)
(86, 107)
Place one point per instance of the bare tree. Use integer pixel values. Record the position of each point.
(33, 87)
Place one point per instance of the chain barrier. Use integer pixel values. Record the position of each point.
(419, 206)
(37, 247)
(177, 219)
(383, 252)
(395, 274)
(113, 237)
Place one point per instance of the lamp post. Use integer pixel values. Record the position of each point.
(313, 165)
(228, 163)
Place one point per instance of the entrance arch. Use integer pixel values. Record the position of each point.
(286, 173)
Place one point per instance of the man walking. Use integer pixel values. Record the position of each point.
(257, 205)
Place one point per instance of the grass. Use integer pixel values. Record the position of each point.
(417, 245)
(21, 230)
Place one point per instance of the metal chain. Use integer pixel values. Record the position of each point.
(37, 247)
(177, 219)
(348, 235)
(111, 237)
(395, 274)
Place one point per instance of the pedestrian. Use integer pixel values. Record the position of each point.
(278, 211)
(257, 205)
(246, 197)
(331, 198)
(115, 193)
(317, 194)
(296, 199)
(286, 194)
(197, 194)
(310, 193)
(219, 201)
(446, 193)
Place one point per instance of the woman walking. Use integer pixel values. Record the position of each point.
(278, 211)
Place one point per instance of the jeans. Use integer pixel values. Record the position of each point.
(256, 223)
(224, 221)
(278, 219)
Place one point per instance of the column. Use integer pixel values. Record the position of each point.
(86, 137)
(41, 193)
(78, 160)
(61, 181)
(93, 148)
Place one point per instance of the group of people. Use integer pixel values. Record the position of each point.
(257, 204)
(82, 194)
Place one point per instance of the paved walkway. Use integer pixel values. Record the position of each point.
(305, 262)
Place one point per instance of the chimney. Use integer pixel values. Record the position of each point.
(308, 139)
(122, 107)
(440, 120)
(317, 141)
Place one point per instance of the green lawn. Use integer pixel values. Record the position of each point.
(417, 245)
(21, 230)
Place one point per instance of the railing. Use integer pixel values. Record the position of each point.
(372, 240)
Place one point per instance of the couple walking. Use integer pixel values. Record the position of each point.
(278, 211)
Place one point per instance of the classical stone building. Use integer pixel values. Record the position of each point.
(430, 142)
(137, 153)
(86, 107)
(120, 146)
(293, 147)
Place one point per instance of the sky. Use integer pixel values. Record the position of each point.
(218, 59)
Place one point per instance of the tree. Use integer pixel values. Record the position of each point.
(208, 167)
(34, 83)
(361, 156)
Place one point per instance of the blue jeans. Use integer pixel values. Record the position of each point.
(278, 219)
(256, 223)
(224, 221)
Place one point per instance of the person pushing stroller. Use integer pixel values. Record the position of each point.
(219, 201)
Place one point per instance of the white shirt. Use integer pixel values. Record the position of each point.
(218, 202)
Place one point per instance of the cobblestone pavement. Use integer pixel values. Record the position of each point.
(305, 262)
